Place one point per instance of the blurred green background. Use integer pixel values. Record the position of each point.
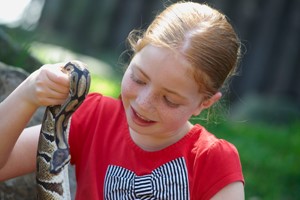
(260, 112)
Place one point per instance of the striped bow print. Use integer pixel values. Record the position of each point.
(169, 181)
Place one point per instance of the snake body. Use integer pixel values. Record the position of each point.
(53, 150)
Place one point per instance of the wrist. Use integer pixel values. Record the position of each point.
(25, 98)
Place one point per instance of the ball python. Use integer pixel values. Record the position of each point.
(53, 150)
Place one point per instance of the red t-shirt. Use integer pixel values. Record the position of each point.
(109, 165)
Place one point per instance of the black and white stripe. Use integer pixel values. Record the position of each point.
(169, 181)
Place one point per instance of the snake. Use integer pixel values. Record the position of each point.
(53, 154)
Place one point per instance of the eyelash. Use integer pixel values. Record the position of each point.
(170, 103)
(138, 81)
(166, 100)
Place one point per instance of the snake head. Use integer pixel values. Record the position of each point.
(79, 78)
(74, 65)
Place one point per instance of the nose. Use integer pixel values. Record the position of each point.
(146, 99)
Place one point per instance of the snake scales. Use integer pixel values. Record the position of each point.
(53, 149)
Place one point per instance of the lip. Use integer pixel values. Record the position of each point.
(139, 119)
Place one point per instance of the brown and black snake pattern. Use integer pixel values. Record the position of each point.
(53, 150)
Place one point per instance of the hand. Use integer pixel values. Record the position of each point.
(46, 86)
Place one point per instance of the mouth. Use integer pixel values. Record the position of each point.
(139, 119)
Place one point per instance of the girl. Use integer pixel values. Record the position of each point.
(142, 145)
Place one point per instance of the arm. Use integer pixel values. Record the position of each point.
(22, 158)
(46, 86)
(233, 191)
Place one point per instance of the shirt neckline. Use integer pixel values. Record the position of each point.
(169, 149)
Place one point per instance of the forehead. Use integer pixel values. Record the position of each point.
(166, 68)
(159, 58)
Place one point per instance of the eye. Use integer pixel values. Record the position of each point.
(171, 103)
(135, 79)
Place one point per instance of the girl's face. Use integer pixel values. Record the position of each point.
(158, 92)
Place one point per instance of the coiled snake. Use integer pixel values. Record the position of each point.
(53, 149)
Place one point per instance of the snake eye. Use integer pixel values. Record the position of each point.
(69, 68)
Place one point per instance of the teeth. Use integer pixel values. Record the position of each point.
(143, 118)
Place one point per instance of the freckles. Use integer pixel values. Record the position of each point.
(180, 115)
(126, 86)
(125, 89)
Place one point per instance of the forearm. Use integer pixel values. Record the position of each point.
(15, 114)
(46, 86)
(22, 159)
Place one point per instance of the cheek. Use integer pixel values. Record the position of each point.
(175, 118)
(127, 87)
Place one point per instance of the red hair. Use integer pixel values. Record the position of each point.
(202, 35)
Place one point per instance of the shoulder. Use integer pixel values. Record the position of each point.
(96, 113)
(208, 144)
(97, 99)
(96, 109)
(216, 164)
(96, 104)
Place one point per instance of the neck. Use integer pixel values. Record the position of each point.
(158, 142)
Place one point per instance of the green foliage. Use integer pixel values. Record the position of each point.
(104, 86)
(14, 49)
(269, 156)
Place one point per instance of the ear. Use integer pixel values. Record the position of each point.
(207, 103)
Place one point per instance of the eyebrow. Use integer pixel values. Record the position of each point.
(136, 67)
(175, 93)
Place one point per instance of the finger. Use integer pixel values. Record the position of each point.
(46, 87)
(48, 97)
(58, 77)
(59, 88)
(53, 102)
(51, 76)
